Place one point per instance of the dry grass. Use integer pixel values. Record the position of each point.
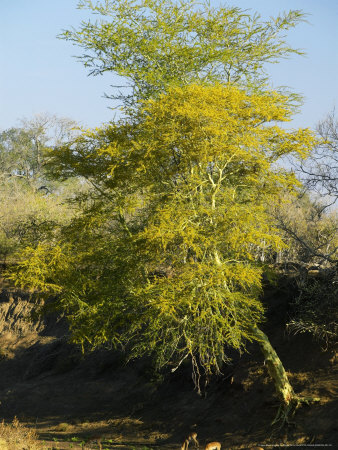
(14, 436)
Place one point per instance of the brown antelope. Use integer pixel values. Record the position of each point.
(213, 446)
(191, 437)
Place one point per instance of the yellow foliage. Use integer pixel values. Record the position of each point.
(165, 258)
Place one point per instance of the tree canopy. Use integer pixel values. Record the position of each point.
(154, 44)
(164, 259)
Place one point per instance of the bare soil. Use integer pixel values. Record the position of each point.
(69, 398)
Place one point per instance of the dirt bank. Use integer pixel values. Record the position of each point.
(48, 384)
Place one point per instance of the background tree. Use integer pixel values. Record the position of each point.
(31, 204)
(309, 228)
(24, 150)
(312, 225)
(320, 172)
(27, 217)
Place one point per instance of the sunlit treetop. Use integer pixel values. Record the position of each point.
(154, 44)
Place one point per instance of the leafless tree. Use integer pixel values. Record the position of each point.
(320, 172)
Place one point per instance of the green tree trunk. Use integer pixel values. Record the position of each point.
(290, 401)
(275, 367)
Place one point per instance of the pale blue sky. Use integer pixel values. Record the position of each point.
(38, 73)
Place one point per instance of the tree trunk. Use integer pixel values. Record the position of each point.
(275, 367)
(290, 401)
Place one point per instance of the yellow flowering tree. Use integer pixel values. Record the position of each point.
(162, 259)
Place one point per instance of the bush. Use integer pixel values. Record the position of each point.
(15, 436)
(316, 307)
